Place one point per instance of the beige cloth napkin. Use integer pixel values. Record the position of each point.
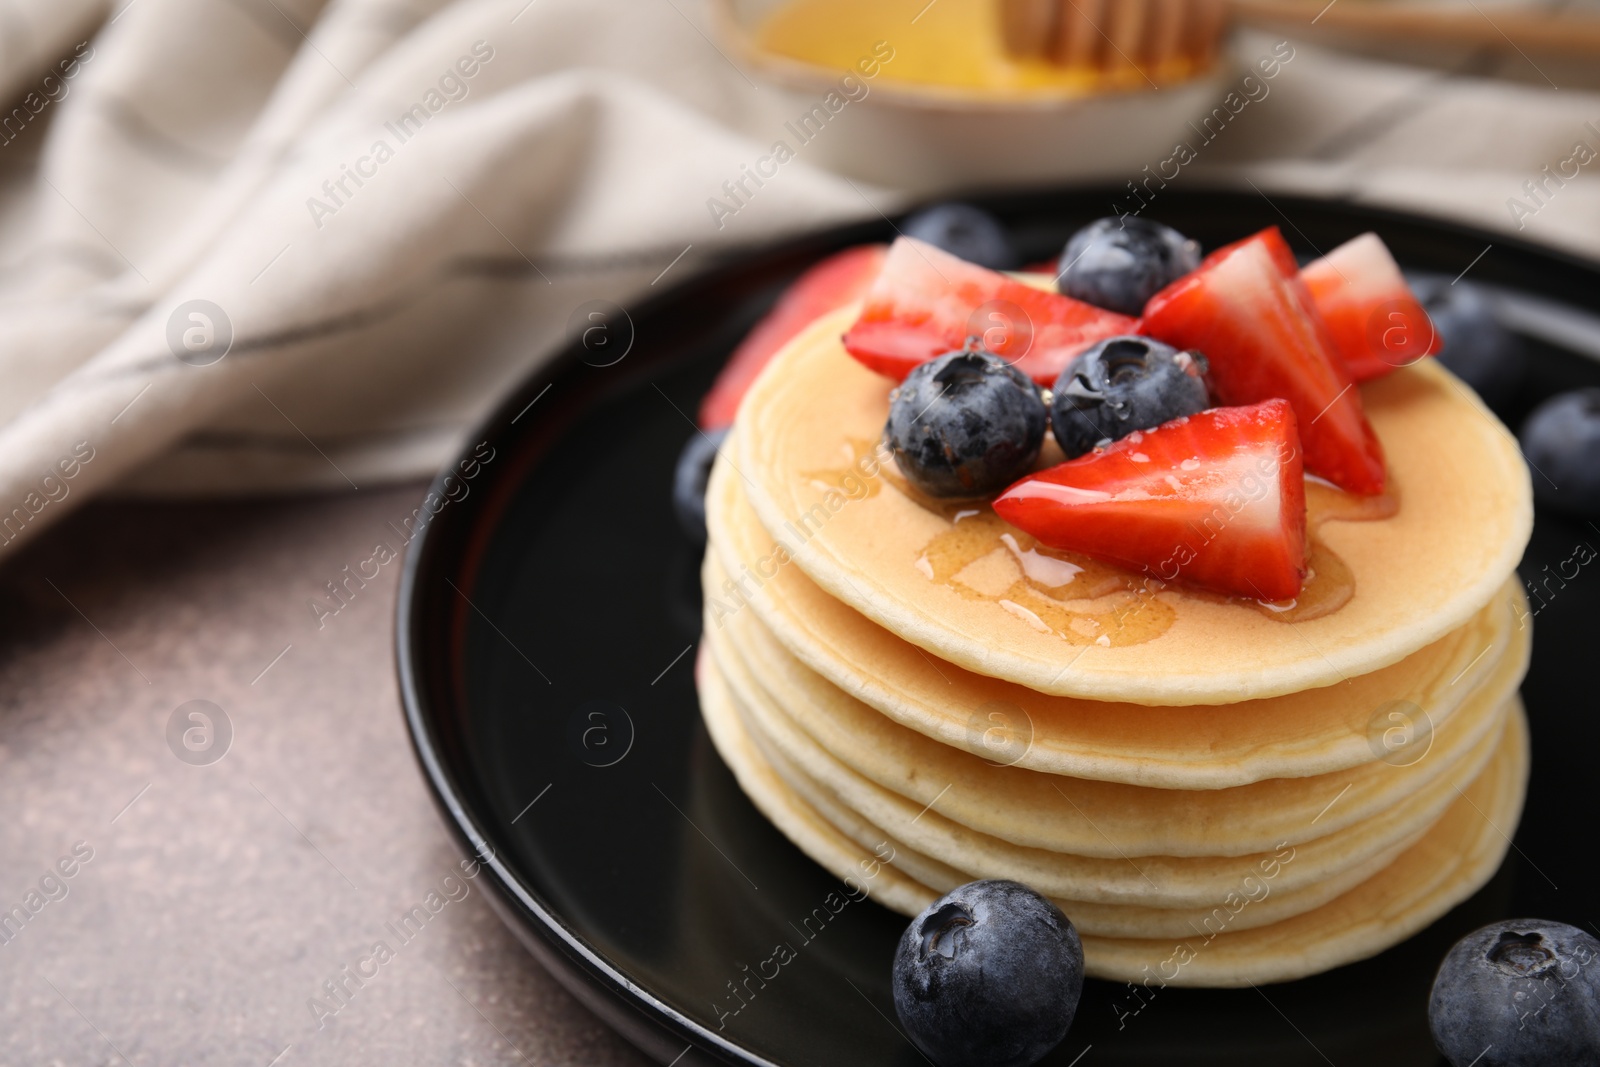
(180, 173)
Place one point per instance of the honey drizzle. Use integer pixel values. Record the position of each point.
(1082, 600)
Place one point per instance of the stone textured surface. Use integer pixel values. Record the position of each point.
(221, 897)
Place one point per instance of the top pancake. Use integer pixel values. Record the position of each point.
(806, 431)
(1296, 735)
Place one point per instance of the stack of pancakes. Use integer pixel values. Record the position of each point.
(1216, 792)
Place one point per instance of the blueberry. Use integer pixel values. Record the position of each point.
(1477, 347)
(988, 976)
(1120, 263)
(963, 230)
(1561, 440)
(965, 424)
(1519, 993)
(689, 481)
(1121, 385)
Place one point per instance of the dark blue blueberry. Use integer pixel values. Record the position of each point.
(1477, 347)
(1520, 993)
(1561, 440)
(689, 481)
(963, 230)
(988, 976)
(1119, 263)
(965, 424)
(1121, 385)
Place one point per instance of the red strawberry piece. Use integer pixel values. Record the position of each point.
(1256, 327)
(1215, 500)
(825, 287)
(927, 302)
(1375, 322)
(1270, 239)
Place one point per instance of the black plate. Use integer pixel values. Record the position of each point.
(545, 626)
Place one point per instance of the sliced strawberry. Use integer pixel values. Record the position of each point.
(1215, 500)
(825, 287)
(1375, 322)
(927, 302)
(1270, 239)
(1256, 328)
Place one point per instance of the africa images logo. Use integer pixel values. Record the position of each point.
(453, 86)
(199, 333)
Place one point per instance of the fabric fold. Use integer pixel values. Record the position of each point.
(273, 246)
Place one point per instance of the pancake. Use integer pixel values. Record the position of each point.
(1450, 863)
(1317, 731)
(1027, 617)
(1157, 880)
(1091, 917)
(1092, 818)
(1454, 858)
(799, 823)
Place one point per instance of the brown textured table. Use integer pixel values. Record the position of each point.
(221, 894)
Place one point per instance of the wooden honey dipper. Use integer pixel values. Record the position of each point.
(1110, 34)
(1113, 34)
